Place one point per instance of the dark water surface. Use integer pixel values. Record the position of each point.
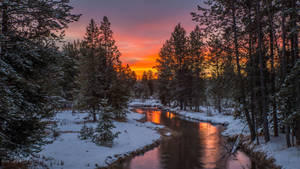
(198, 146)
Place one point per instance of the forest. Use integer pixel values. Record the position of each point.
(241, 60)
(241, 55)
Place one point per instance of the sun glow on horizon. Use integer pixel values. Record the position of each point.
(141, 64)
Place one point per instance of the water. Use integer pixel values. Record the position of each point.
(198, 146)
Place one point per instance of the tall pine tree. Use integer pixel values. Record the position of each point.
(28, 57)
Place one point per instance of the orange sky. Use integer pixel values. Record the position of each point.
(140, 26)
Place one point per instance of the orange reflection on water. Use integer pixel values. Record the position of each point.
(153, 116)
(211, 145)
(170, 115)
(149, 159)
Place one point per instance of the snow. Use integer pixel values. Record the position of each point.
(69, 152)
(288, 158)
(168, 134)
(145, 103)
(233, 126)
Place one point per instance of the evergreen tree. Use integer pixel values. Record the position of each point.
(27, 60)
(70, 69)
(290, 100)
(179, 43)
(265, 50)
(117, 76)
(196, 50)
(165, 73)
(103, 134)
(92, 90)
(144, 86)
(104, 82)
(150, 82)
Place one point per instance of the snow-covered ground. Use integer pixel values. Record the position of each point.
(69, 152)
(145, 102)
(288, 158)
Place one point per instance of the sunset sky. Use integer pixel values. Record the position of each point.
(140, 26)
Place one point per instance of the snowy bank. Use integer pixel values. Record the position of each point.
(69, 152)
(288, 158)
(233, 126)
(145, 103)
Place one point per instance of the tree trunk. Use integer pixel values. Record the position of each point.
(94, 115)
(295, 36)
(287, 136)
(4, 27)
(3, 32)
(181, 104)
(273, 90)
(283, 57)
(297, 131)
(261, 70)
(241, 84)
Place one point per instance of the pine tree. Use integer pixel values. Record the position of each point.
(196, 50)
(109, 44)
(92, 92)
(150, 82)
(117, 76)
(105, 83)
(103, 134)
(179, 43)
(144, 86)
(27, 60)
(118, 95)
(70, 69)
(165, 73)
(289, 100)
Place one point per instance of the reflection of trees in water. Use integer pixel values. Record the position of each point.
(197, 148)
(182, 152)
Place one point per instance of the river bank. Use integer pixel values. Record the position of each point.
(67, 151)
(274, 151)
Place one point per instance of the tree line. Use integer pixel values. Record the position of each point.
(244, 54)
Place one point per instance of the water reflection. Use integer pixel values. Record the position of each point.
(170, 115)
(150, 159)
(153, 116)
(197, 147)
(211, 140)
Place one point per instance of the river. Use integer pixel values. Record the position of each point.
(199, 145)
